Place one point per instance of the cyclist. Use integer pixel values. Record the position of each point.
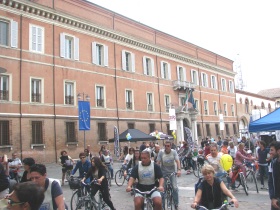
(108, 161)
(133, 162)
(241, 155)
(214, 160)
(166, 159)
(129, 155)
(14, 165)
(83, 165)
(211, 190)
(98, 171)
(147, 172)
(66, 162)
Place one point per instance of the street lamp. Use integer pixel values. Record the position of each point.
(84, 114)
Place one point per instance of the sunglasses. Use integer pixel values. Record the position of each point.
(14, 203)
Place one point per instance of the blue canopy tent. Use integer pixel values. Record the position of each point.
(270, 122)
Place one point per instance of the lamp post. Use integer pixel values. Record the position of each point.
(82, 97)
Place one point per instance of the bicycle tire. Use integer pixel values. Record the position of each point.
(243, 182)
(108, 176)
(119, 178)
(74, 200)
(149, 205)
(196, 172)
(67, 175)
(255, 180)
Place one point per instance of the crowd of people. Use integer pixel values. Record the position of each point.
(149, 165)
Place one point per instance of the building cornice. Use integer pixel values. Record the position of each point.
(28, 7)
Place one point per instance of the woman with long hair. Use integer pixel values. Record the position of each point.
(98, 171)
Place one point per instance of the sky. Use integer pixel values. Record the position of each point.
(245, 31)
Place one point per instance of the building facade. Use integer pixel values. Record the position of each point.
(130, 73)
(251, 107)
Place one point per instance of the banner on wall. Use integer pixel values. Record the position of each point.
(172, 120)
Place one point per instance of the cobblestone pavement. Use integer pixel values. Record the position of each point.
(124, 201)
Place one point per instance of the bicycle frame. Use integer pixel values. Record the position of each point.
(148, 202)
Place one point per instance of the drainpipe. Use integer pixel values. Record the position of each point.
(54, 104)
(20, 96)
(116, 82)
(159, 96)
(201, 106)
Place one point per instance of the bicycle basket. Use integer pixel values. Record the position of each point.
(75, 184)
(200, 160)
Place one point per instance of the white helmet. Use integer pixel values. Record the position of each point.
(249, 151)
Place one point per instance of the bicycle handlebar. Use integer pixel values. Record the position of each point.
(221, 207)
(146, 192)
(173, 173)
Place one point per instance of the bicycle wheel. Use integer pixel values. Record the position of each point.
(119, 178)
(197, 172)
(149, 205)
(108, 176)
(67, 175)
(74, 200)
(243, 183)
(255, 180)
(169, 200)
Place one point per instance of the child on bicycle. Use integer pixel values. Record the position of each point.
(211, 190)
(98, 171)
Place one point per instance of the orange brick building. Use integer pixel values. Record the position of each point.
(54, 50)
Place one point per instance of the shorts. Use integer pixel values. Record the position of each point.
(66, 168)
(153, 195)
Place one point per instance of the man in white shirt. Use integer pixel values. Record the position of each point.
(14, 165)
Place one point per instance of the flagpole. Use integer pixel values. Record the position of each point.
(85, 96)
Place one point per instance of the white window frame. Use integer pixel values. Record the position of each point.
(9, 85)
(73, 91)
(127, 91)
(75, 54)
(181, 71)
(215, 108)
(148, 62)
(196, 101)
(97, 95)
(232, 110)
(214, 82)
(194, 76)
(151, 100)
(204, 79)
(36, 39)
(167, 102)
(205, 108)
(231, 86)
(225, 109)
(165, 70)
(12, 33)
(223, 84)
(41, 89)
(99, 57)
(128, 61)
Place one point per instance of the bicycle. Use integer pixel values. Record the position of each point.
(251, 172)
(223, 206)
(237, 175)
(81, 198)
(119, 175)
(99, 202)
(199, 161)
(148, 202)
(169, 192)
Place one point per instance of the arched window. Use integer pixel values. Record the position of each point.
(263, 105)
(269, 108)
(277, 104)
(246, 106)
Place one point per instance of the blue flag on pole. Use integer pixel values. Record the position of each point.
(84, 115)
(191, 99)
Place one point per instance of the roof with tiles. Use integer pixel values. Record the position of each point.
(271, 93)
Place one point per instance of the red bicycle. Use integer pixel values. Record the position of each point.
(238, 176)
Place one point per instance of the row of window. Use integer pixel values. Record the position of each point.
(37, 87)
(69, 49)
(37, 131)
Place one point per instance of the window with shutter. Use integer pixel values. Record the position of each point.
(4, 87)
(128, 99)
(37, 132)
(101, 131)
(70, 132)
(36, 90)
(4, 32)
(5, 133)
(69, 93)
(36, 38)
(99, 54)
(100, 96)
